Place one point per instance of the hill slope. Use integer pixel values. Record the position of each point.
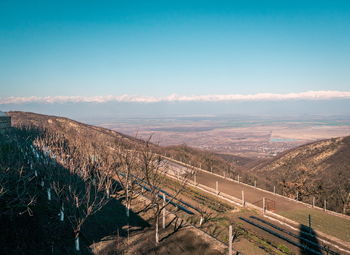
(320, 169)
(88, 135)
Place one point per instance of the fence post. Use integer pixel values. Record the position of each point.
(297, 197)
(195, 178)
(243, 200)
(325, 205)
(255, 184)
(264, 206)
(163, 210)
(313, 202)
(274, 189)
(309, 222)
(230, 240)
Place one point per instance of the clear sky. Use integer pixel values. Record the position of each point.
(157, 48)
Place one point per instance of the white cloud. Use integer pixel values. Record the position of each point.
(309, 95)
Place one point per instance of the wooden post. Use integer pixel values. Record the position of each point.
(238, 178)
(195, 178)
(325, 205)
(163, 210)
(313, 202)
(264, 206)
(255, 184)
(309, 222)
(217, 188)
(243, 200)
(230, 240)
(297, 197)
(274, 189)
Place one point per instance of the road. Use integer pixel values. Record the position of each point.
(294, 210)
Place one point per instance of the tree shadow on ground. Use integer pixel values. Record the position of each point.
(112, 220)
(42, 232)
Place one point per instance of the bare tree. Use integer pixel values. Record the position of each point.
(154, 170)
(84, 196)
(127, 172)
(17, 192)
(81, 183)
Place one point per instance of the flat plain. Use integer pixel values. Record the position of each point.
(256, 137)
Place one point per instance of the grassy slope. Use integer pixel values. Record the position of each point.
(335, 226)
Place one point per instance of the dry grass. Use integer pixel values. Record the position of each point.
(328, 224)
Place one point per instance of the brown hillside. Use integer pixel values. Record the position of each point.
(90, 135)
(320, 169)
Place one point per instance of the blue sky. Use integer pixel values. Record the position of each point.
(158, 48)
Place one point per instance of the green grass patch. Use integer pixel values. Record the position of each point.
(283, 248)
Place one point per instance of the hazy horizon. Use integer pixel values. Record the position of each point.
(81, 111)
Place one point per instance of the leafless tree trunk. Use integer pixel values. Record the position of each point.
(153, 171)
